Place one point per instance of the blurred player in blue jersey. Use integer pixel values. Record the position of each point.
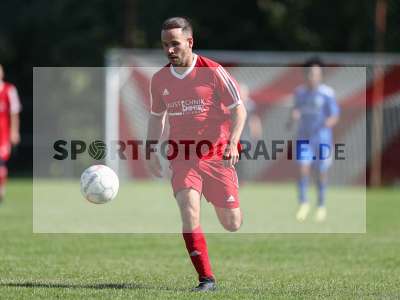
(316, 112)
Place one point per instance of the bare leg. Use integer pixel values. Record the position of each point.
(189, 205)
(230, 218)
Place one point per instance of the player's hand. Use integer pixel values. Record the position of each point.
(15, 138)
(154, 165)
(231, 155)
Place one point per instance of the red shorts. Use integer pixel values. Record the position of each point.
(217, 183)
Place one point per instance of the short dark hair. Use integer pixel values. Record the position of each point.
(313, 61)
(178, 22)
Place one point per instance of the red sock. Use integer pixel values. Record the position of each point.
(3, 175)
(197, 249)
(3, 179)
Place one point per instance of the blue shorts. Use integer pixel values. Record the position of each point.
(317, 153)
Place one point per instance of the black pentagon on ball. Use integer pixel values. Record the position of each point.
(97, 150)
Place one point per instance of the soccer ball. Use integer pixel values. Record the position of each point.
(99, 184)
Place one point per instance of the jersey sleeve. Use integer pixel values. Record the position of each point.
(15, 104)
(227, 88)
(332, 107)
(157, 107)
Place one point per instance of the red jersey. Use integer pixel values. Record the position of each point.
(9, 104)
(197, 102)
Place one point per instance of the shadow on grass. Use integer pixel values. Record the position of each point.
(97, 286)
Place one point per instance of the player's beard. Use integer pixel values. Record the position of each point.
(176, 62)
(180, 60)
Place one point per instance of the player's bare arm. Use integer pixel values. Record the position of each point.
(293, 118)
(331, 121)
(238, 116)
(14, 129)
(155, 129)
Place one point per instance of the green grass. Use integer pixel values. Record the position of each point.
(149, 207)
(123, 266)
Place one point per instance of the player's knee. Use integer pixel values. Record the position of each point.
(322, 177)
(233, 225)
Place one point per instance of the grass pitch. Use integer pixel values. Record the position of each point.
(124, 266)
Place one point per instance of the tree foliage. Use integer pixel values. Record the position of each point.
(78, 33)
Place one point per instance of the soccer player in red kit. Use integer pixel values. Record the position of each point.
(202, 103)
(9, 126)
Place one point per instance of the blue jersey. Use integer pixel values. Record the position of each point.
(315, 107)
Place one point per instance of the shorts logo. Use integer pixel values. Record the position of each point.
(230, 199)
(166, 92)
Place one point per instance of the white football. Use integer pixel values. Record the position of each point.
(99, 184)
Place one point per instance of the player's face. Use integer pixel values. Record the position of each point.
(177, 46)
(314, 76)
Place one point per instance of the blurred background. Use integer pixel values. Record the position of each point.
(262, 42)
(71, 33)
